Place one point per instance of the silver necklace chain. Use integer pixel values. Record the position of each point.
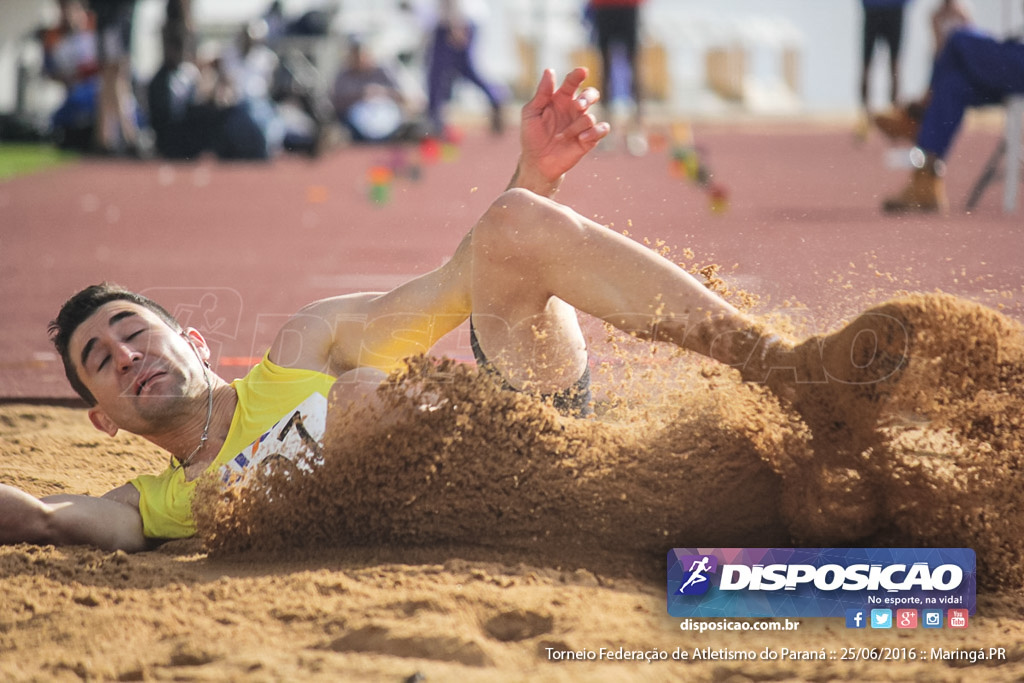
(206, 430)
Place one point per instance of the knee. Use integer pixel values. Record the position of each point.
(961, 41)
(519, 224)
(510, 218)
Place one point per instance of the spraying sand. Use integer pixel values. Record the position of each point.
(471, 541)
(903, 428)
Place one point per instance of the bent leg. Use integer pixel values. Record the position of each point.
(972, 70)
(994, 65)
(535, 260)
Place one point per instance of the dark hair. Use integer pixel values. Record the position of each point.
(77, 310)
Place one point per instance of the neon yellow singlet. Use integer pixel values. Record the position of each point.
(270, 400)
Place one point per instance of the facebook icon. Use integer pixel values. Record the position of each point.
(856, 618)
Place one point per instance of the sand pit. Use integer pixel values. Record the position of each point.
(921, 442)
(903, 426)
(476, 536)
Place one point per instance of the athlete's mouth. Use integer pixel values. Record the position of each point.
(142, 382)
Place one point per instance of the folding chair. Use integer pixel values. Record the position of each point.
(1012, 148)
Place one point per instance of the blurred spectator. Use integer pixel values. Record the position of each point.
(617, 27)
(297, 87)
(241, 103)
(302, 100)
(451, 57)
(973, 69)
(949, 16)
(369, 101)
(312, 23)
(277, 25)
(883, 21)
(244, 72)
(183, 124)
(248, 65)
(117, 128)
(223, 105)
(272, 104)
(179, 21)
(69, 56)
(902, 122)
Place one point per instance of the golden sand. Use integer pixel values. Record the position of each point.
(469, 540)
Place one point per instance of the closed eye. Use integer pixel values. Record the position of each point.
(106, 358)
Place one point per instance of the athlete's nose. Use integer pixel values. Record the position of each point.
(126, 356)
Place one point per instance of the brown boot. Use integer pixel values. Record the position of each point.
(926, 192)
(899, 123)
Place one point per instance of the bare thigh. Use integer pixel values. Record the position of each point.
(530, 336)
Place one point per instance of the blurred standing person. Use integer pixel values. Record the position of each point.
(179, 22)
(277, 25)
(183, 125)
(117, 127)
(69, 56)
(451, 57)
(617, 24)
(883, 21)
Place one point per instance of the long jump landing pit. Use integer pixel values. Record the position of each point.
(481, 583)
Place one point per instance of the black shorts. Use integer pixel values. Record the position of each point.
(574, 401)
(884, 23)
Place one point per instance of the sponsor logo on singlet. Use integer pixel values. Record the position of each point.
(297, 437)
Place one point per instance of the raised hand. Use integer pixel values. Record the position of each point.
(557, 131)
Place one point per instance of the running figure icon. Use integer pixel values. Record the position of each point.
(697, 570)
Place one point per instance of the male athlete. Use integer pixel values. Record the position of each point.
(519, 275)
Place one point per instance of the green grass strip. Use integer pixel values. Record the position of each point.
(21, 159)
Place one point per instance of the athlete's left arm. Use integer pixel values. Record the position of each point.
(378, 329)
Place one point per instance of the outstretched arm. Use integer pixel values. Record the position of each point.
(557, 131)
(110, 522)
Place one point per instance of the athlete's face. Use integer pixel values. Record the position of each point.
(141, 372)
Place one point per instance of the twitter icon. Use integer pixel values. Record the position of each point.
(881, 618)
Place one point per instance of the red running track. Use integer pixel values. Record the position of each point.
(233, 249)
